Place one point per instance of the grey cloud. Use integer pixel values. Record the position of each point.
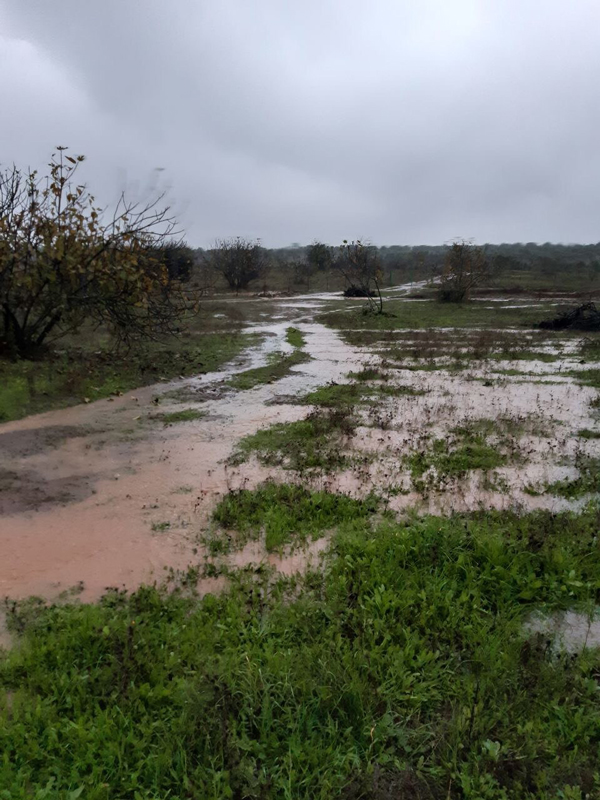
(405, 122)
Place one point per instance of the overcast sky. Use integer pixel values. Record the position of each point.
(401, 121)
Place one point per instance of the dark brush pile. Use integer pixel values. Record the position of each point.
(585, 317)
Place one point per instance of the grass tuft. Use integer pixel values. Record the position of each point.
(287, 513)
(403, 670)
(280, 367)
(311, 443)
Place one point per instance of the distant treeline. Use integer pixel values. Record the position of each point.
(516, 266)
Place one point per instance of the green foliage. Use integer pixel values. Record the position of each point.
(450, 459)
(402, 671)
(64, 263)
(587, 482)
(295, 337)
(402, 314)
(287, 513)
(72, 376)
(334, 395)
(586, 433)
(311, 443)
(590, 377)
(280, 367)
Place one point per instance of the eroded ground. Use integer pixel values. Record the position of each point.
(437, 419)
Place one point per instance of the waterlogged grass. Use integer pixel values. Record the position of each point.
(279, 367)
(589, 377)
(370, 374)
(334, 395)
(286, 514)
(316, 442)
(401, 671)
(587, 482)
(64, 378)
(187, 415)
(586, 433)
(431, 314)
(449, 460)
(295, 337)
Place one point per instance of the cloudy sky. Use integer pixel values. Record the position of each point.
(404, 121)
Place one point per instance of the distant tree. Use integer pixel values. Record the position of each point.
(465, 267)
(178, 258)
(319, 256)
(239, 261)
(360, 266)
(64, 261)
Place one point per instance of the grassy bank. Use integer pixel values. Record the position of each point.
(432, 314)
(401, 670)
(76, 375)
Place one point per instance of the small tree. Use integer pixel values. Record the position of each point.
(319, 256)
(360, 266)
(465, 267)
(239, 261)
(63, 262)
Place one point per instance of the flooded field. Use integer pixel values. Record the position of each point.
(358, 560)
(120, 492)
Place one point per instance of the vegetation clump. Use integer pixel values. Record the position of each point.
(295, 337)
(279, 367)
(444, 460)
(402, 670)
(308, 444)
(286, 513)
(587, 482)
(64, 262)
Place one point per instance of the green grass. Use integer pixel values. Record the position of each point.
(431, 314)
(312, 443)
(295, 337)
(280, 367)
(187, 415)
(73, 376)
(450, 459)
(370, 374)
(401, 671)
(587, 482)
(160, 527)
(586, 433)
(589, 377)
(286, 513)
(334, 395)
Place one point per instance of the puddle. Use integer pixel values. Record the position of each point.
(131, 480)
(569, 631)
(101, 494)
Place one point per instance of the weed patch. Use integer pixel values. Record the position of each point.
(295, 337)
(335, 395)
(286, 513)
(403, 670)
(445, 459)
(586, 433)
(73, 376)
(279, 368)
(587, 482)
(312, 443)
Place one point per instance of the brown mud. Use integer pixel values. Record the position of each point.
(108, 495)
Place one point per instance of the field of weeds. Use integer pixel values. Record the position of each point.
(389, 583)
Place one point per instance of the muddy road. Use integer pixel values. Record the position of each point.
(108, 495)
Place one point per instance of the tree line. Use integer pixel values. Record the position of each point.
(66, 262)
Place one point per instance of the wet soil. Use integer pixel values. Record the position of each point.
(107, 495)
